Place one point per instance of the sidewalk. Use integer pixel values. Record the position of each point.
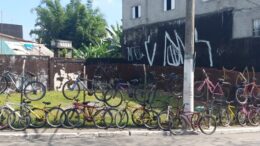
(63, 133)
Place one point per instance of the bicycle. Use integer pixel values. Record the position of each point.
(18, 119)
(223, 111)
(165, 117)
(254, 115)
(246, 91)
(25, 84)
(99, 115)
(172, 83)
(196, 120)
(201, 88)
(71, 89)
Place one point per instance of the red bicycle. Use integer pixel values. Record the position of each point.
(201, 88)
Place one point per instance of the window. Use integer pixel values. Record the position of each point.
(136, 12)
(169, 5)
(256, 27)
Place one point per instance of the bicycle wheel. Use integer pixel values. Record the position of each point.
(102, 119)
(34, 90)
(241, 96)
(241, 118)
(70, 118)
(5, 112)
(111, 113)
(18, 120)
(225, 117)
(150, 120)
(71, 90)
(199, 92)
(207, 124)
(38, 118)
(113, 98)
(256, 92)
(179, 129)
(54, 118)
(137, 116)
(165, 120)
(121, 119)
(100, 90)
(3, 84)
(254, 117)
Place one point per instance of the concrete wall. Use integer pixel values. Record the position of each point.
(153, 12)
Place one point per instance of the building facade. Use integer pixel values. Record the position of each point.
(227, 32)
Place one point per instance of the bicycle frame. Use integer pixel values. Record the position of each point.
(214, 89)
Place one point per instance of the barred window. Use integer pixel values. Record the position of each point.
(169, 5)
(136, 12)
(256, 27)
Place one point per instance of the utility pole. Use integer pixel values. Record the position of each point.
(188, 83)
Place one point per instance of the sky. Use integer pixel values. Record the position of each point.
(20, 12)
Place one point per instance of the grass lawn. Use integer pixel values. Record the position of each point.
(57, 98)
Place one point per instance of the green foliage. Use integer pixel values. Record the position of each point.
(76, 22)
(110, 47)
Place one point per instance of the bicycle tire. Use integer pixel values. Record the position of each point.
(115, 99)
(5, 112)
(225, 118)
(241, 118)
(137, 116)
(254, 117)
(100, 118)
(111, 113)
(164, 120)
(3, 84)
(54, 118)
(122, 119)
(204, 124)
(34, 87)
(240, 96)
(199, 93)
(100, 89)
(70, 118)
(74, 89)
(18, 122)
(256, 92)
(38, 118)
(179, 129)
(151, 120)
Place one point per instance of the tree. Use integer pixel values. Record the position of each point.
(109, 47)
(76, 22)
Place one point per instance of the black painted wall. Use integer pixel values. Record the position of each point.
(214, 31)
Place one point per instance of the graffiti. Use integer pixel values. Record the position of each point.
(61, 78)
(150, 59)
(208, 46)
(134, 53)
(173, 52)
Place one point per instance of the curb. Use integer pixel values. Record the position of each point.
(87, 133)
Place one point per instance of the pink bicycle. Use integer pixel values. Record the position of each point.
(202, 88)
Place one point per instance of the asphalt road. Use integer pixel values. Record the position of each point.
(243, 139)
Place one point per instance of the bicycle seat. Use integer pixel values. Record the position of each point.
(30, 73)
(46, 103)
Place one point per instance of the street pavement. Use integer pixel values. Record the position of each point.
(238, 139)
(226, 136)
